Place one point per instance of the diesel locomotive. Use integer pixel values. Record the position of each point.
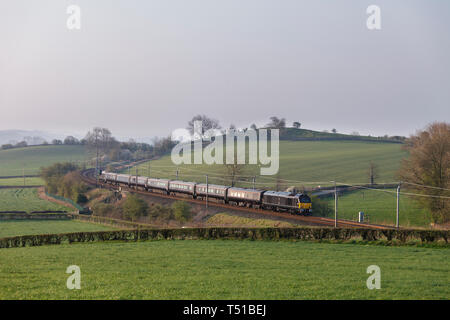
(296, 203)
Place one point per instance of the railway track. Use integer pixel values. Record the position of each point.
(88, 177)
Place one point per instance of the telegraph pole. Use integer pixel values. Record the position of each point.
(397, 224)
(253, 182)
(96, 160)
(335, 205)
(207, 191)
(177, 173)
(136, 178)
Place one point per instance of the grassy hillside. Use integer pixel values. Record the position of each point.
(312, 162)
(11, 228)
(381, 208)
(26, 200)
(13, 161)
(223, 269)
(224, 219)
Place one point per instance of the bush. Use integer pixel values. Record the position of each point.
(134, 207)
(181, 211)
(103, 209)
(321, 207)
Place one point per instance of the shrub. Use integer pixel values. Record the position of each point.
(321, 207)
(134, 207)
(181, 211)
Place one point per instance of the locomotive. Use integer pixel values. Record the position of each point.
(296, 203)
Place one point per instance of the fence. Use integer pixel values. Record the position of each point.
(69, 201)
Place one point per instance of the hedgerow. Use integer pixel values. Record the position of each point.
(317, 234)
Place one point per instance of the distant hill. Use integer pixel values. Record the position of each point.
(32, 137)
(311, 135)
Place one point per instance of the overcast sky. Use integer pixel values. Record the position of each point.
(144, 68)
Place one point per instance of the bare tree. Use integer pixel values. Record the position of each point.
(429, 165)
(277, 123)
(71, 140)
(207, 123)
(100, 138)
(234, 170)
(372, 172)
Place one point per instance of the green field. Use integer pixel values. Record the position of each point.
(26, 200)
(11, 228)
(312, 163)
(381, 208)
(224, 269)
(14, 161)
(32, 181)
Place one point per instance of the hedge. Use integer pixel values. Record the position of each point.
(228, 233)
(35, 215)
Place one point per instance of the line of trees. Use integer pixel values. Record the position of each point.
(63, 179)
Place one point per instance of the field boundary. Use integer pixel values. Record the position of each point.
(317, 234)
(35, 215)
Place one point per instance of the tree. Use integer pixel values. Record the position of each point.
(207, 123)
(134, 207)
(276, 123)
(253, 127)
(70, 140)
(296, 124)
(372, 172)
(234, 169)
(7, 146)
(56, 142)
(101, 139)
(21, 144)
(333, 130)
(429, 165)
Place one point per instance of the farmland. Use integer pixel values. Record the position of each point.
(311, 163)
(28, 161)
(26, 200)
(380, 206)
(224, 269)
(10, 228)
(19, 182)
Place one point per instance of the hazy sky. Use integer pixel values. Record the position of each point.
(144, 68)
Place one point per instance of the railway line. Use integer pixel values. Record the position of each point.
(88, 177)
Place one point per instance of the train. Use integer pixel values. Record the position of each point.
(295, 203)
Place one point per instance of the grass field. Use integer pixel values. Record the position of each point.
(32, 181)
(224, 269)
(26, 200)
(11, 228)
(381, 208)
(224, 219)
(311, 162)
(13, 161)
